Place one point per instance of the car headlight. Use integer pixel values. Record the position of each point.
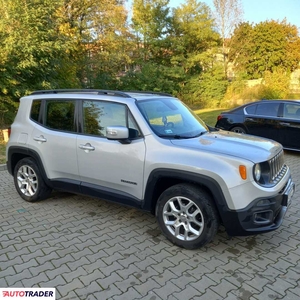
(257, 172)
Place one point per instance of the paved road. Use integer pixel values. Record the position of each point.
(90, 249)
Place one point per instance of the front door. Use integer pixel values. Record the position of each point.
(109, 165)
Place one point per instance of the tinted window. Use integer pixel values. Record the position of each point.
(60, 115)
(98, 115)
(35, 110)
(267, 109)
(250, 109)
(291, 111)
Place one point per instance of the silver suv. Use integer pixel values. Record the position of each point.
(148, 150)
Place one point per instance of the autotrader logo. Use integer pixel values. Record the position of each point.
(27, 293)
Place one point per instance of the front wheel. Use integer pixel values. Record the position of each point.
(187, 216)
(29, 182)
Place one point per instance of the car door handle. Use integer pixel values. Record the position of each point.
(40, 139)
(250, 119)
(87, 147)
(285, 124)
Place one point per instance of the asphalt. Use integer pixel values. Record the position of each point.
(91, 249)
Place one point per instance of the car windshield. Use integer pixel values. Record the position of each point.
(170, 118)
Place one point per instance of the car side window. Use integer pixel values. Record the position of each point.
(35, 110)
(251, 109)
(98, 115)
(291, 111)
(267, 109)
(60, 115)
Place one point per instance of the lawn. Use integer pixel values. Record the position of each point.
(209, 116)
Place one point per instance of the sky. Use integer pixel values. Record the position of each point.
(256, 11)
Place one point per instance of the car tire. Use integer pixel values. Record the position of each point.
(29, 181)
(238, 129)
(187, 216)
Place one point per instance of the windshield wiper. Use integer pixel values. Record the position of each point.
(178, 136)
(199, 134)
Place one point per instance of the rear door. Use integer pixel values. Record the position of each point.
(54, 137)
(290, 126)
(264, 121)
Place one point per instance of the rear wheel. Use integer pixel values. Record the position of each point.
(29, 181)
(238, 129)
(187, 216)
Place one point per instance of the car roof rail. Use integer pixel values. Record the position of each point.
(151, 93)
(82, 91)
(99, 92)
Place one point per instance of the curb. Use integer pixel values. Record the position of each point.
(3, 167)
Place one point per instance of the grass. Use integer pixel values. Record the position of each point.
(209, 116)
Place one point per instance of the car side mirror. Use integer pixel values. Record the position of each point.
(118, 133)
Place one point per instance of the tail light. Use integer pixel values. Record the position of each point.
(219, 117)
(9, 132)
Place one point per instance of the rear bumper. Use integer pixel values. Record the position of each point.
(262, 215)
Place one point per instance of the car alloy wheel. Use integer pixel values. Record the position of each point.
(187, 215)
(29, 181)
(183, 218)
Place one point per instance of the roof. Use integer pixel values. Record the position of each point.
(122, 94)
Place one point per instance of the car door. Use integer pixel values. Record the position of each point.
(264, 121)
(290, 126)
(54, 138)
(109, 165)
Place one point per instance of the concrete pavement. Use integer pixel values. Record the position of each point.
(91, 249)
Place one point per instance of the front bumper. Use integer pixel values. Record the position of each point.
(262, 215)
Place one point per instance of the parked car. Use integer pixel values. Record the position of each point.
(148, 150)
(278, 120)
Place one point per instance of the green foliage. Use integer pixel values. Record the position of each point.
(2, 151)
(31, 49)
(206, 90)
(8, 109)
(276, 84)
(48, 44)
(151, 77)
(256, 49)
(193, 34)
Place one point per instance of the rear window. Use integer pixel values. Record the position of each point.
(251, 109)
(60, 115)
(35, 110)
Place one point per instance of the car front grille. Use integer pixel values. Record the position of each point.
(277, 168)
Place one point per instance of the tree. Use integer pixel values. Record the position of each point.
(194, 43)
(150, 23)
(99, 28)
(193, 34)
(266, 46)
(32, 50)
(228, 14)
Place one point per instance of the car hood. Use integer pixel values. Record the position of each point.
(246, 146)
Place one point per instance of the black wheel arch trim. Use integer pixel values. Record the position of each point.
(184, 176)
(25, 152)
